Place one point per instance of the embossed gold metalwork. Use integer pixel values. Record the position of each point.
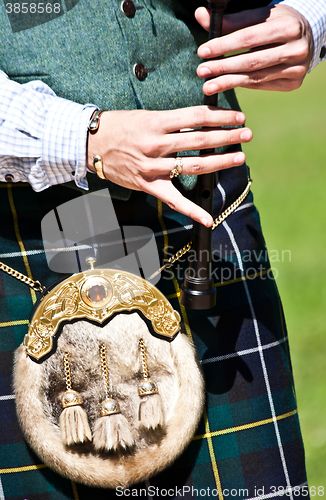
(119, 291)
(71, 398)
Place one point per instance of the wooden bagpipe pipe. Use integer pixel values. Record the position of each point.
(198, 290)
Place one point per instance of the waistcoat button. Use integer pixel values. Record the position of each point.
(322, 52)
(9, 178)
(140, 71)
(128, 7)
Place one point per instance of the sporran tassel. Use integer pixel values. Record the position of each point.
(73, 420)
(111, 431)
(151, 413)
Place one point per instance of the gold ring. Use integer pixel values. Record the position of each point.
(178, 168)
(98, 165)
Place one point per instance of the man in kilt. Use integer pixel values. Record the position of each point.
(138, 61)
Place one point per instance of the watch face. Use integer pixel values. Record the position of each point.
(94, 122)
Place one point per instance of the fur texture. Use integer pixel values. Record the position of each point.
(112, 432)
(151, 413)
(74, 426)
(173, 366)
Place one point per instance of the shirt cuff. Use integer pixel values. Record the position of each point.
(63, 145)
(315, 13)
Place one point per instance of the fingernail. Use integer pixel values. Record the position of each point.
(240, 117)
(239, 159)
(245, 135)
(204, 52)
(211, 88)
(204, 71)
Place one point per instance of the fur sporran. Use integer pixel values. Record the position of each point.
(108, 393)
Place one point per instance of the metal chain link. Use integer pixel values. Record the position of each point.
(143, 358)
(67, 371)
(36, 285)
(221, 218)
(105, 370)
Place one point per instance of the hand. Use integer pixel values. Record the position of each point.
(138, 149)
(280, 45)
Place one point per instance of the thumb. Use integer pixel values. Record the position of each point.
(203, 17)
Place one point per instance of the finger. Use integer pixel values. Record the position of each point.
(248, 38)
(199, 116)
(289, 54)
(204, 139)
(194, 165)
(167, 192)
(257, 79)
(281, 85)
(251, 61)
(202, 16)
(203, 164)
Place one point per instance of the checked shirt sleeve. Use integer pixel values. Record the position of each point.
(42, 137)
(315, 13)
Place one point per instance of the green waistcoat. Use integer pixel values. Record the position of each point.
(86, 51)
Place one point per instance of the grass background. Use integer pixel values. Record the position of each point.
(287, 158)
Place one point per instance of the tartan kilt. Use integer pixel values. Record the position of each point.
(248, 443)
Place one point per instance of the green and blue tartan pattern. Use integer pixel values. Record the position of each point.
(248, 443)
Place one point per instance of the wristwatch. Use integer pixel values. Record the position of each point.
(94, 121)
(93, 127)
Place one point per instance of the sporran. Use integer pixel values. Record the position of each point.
(155, 384)
(108, 391)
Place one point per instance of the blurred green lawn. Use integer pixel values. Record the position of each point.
(287, 158)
